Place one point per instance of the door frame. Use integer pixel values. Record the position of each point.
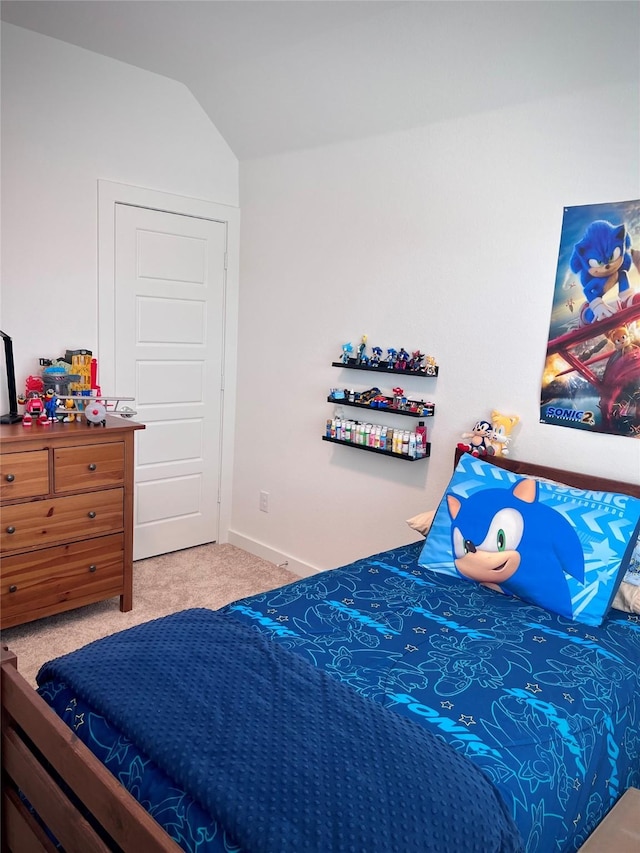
(111, 193)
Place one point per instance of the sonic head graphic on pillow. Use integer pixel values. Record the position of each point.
(563, 548)
(509, 540)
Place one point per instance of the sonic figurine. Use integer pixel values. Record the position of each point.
(508, 540)
(376, 354)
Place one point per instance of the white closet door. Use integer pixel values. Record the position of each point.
(169, 313)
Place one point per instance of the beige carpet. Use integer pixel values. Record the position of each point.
(206, 576)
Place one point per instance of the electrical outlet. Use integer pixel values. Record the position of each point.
(264, 501)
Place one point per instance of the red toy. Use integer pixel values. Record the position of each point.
(33, 401)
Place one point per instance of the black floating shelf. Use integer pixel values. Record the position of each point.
(382, 368)
(402, 456)
(376, 409)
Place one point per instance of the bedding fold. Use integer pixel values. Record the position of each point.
(283, 756)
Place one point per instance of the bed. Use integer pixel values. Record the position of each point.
(384, 705)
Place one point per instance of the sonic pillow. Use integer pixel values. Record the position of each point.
(561, 548)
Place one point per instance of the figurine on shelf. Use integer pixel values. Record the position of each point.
(430, 367)
(391, 358)
(347, 349)
(33, 402)
(479, 443)
(398, 397)
(361, 358)
(415, 362)
(402, 359)
(380, 402)
(376, 353)
(367, 396)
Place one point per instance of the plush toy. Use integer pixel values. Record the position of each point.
(502, 426)
(479, 440)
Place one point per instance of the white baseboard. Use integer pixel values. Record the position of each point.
(259, 549)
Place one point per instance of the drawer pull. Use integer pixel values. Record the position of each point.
(10, 478)
(92, 466)
(13, 588)
(11, 530)
(91, 514)
(93, 568)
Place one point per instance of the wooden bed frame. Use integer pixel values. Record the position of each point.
(76, 797)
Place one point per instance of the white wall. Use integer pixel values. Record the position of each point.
(69, 118)
(443, 238)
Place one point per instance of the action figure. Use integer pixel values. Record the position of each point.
(415, 362)
(50, 404)
(402, 359)
(376, 353)
(33, 402)
(361, 358)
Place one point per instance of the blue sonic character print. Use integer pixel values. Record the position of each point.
(591, 378)
(562, 548)
(602, 259)
(510, 541)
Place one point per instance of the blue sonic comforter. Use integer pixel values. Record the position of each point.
(283, 756)
(545, 708)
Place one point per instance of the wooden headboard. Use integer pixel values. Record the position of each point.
(570, 478)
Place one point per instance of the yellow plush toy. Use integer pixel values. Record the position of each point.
(502, 427)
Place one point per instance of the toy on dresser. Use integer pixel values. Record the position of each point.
(33, 401)
(60, 396)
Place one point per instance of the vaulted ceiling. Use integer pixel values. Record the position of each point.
(278, 75)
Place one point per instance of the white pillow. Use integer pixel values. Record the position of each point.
(627, 598)
(422, 521)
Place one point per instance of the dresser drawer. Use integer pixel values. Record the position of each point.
(42, 582)
(88, 467)
(24, 475)
(51, 521)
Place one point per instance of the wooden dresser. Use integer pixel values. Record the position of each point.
(66, 532)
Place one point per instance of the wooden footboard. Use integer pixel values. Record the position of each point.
(80, 802)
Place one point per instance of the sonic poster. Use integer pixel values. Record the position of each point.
(591, 378)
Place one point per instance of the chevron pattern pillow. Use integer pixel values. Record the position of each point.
(561, 548)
